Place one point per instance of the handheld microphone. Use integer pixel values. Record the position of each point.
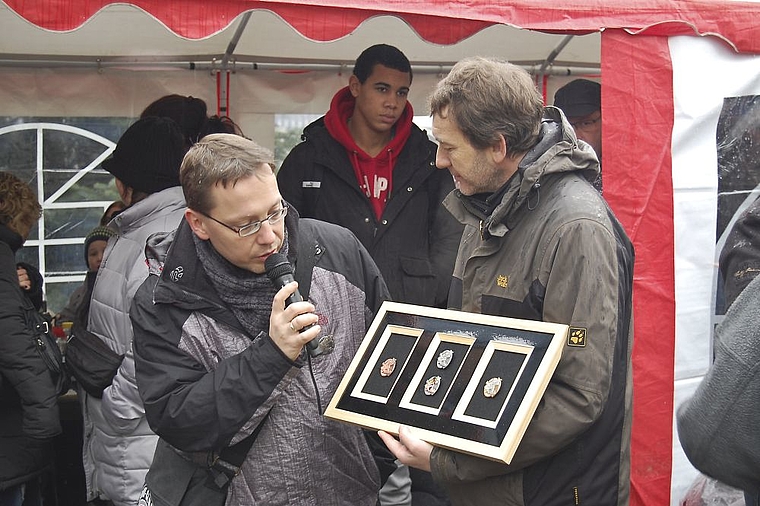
(280, 273)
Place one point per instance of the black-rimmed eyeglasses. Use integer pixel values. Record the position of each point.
(586, 124)
(254, 226)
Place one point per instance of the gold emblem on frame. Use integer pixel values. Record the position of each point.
(492, 387)
(387, 367)
(432, 384)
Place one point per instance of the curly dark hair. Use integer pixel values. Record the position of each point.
(19, 208)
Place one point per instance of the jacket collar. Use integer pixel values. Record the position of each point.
(557, 151)
(183, 281)
(137, 214)
(11, 238)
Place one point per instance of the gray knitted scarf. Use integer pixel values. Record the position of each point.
(247, 294)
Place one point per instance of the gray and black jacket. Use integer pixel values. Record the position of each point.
(550, 249)
(206, 383)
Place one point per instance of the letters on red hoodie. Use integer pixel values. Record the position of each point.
(373, 174)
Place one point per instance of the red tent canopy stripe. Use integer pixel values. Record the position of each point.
(637, 80)
(438, 21)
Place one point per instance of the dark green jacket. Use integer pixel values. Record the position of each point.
(552, 250)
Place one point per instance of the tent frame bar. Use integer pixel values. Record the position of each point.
(236, 66)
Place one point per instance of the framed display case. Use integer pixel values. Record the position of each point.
(465, 381)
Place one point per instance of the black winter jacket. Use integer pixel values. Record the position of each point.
(415, 241)
(28, 402)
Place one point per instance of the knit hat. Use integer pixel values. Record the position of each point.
(97, 234)
(148, 155)
(580, 97)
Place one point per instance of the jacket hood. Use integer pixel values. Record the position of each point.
(155, 204)
(557, 151)
(374, 174)
(342, 108)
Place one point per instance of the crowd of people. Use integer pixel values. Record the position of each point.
(217, 399)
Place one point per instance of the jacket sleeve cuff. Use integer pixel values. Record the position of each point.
(295, 363)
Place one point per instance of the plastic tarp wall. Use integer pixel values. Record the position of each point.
(676, 199)
(254, 97)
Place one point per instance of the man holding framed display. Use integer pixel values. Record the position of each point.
(539, 243)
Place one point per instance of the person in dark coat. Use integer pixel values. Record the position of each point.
(716, 425)
(29, 416)
(367, 167)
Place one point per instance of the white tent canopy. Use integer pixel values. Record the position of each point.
(122, 58)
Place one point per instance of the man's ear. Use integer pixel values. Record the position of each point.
(354, 85)
(195, 220)
(498, 149)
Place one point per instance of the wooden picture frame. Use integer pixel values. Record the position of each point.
(464, 381)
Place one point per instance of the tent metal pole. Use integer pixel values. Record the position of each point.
(223, 75)
(246, 66)
(235, 39)
(541, 74)
(553, 55)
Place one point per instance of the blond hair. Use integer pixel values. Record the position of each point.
(220, 158)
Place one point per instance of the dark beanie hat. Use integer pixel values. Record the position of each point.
(189, 113)
(97, 234)
(580, 97)
(148, 155)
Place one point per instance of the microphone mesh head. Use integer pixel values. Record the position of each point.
(277, 265)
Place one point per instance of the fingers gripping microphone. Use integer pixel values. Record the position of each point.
(280, 272)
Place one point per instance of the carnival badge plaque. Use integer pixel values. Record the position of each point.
(464, 381)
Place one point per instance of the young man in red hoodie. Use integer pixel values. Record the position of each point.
(367, 167)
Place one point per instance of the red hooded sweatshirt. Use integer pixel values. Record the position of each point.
(374, 175)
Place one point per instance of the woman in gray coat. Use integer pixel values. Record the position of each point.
(118, 443)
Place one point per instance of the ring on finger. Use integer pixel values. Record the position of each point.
(292, 327)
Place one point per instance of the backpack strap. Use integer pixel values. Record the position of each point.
(226, 464)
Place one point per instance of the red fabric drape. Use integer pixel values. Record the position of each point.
(637, 107)
(438, 21)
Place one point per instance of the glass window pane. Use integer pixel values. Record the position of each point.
(94, 186)
(58, 295)
(18, 155)
(64, 155)
(738, 145)
(29, 255)
(74, 222)
(65, 258)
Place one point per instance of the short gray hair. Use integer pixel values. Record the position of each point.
(220, 158)
(487, 98)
